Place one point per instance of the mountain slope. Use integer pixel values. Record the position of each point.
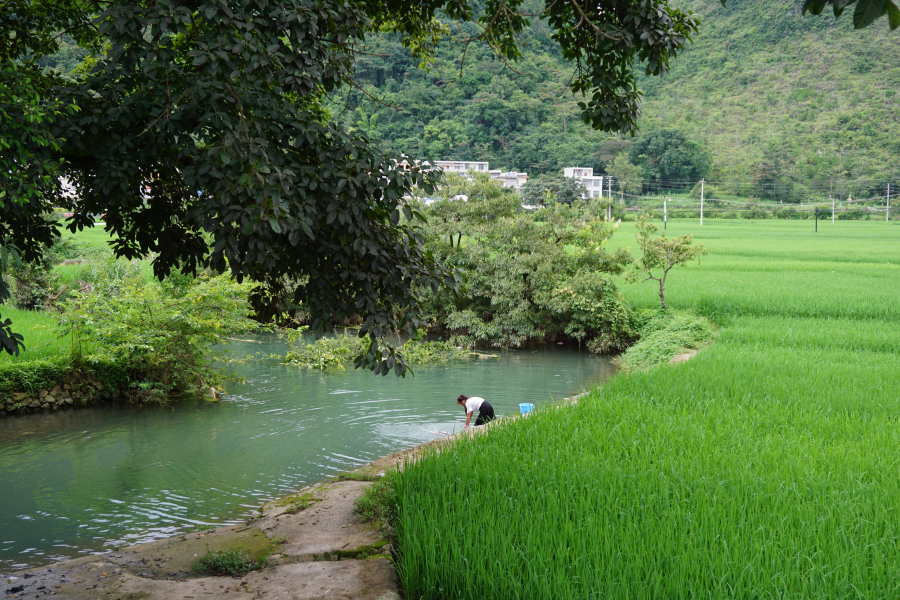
(798, 101)
(790, 107)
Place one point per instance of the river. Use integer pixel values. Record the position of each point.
(88, 480)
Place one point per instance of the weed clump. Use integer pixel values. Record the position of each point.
(378, 502)
(301, 503)
(230, 562)
(663, 336)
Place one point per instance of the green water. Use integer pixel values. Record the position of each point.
(86, 480)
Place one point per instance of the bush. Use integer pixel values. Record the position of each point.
(594, 311)
(32, 285)
(756, 213)
(29, 377)
(850, 215)
(709, 192)
(327, 352)
(160, 334)
(787, 213)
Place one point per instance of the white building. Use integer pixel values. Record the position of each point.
(461, 167)
(592, 184)
(510, 179)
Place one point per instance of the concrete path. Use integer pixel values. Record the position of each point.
(321, 550)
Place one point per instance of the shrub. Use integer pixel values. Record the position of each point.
(850, 215)
(335, 352)
(327, 352)
(787, 213)
(29, 377)
(709, 192)
(33, 283)
(755, 213)
(593, 310)
(160, 335)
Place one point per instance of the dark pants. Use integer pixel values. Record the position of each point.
(485, 414)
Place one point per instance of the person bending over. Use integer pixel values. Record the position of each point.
(471, 404)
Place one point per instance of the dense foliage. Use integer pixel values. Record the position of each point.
(337, 351)
(551, 188)
(159, 334)
(199, 131)
(668, 159)
(529, 276)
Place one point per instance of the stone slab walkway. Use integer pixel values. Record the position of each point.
(316, 536)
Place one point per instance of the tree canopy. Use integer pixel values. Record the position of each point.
(669, 158)
(198, 129)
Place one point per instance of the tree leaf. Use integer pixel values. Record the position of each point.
(814, 7)
(867, 11)
(893, 15)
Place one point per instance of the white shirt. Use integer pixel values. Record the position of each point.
(474, 403)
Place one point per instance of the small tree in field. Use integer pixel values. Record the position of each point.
(660, 254)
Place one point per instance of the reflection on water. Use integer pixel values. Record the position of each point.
(80, 481)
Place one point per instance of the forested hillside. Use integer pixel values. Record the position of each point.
(790, 107)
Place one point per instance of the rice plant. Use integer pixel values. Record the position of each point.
(766, 467)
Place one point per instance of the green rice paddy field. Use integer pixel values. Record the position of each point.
(766, 467)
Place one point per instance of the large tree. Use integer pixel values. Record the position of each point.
(197, 129)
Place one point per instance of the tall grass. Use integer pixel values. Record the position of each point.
(766, 467)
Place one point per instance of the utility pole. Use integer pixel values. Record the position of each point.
(665, 214)
(887, 214)
(702, 186)
(832, 210)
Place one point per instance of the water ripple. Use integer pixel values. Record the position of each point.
(84, 481)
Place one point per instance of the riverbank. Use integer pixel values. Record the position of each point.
(83, 480)
(57, 384)
(312, 543)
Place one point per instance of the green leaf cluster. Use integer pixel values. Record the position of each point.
(337, 351)
(529, 276)
(161, 335)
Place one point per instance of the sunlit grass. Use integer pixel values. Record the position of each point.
(41, 337)
(766, 467)
(93, 237)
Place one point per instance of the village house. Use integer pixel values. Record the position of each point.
(508, 179)
(593, 185)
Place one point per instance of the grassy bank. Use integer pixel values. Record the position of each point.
(765, 467)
